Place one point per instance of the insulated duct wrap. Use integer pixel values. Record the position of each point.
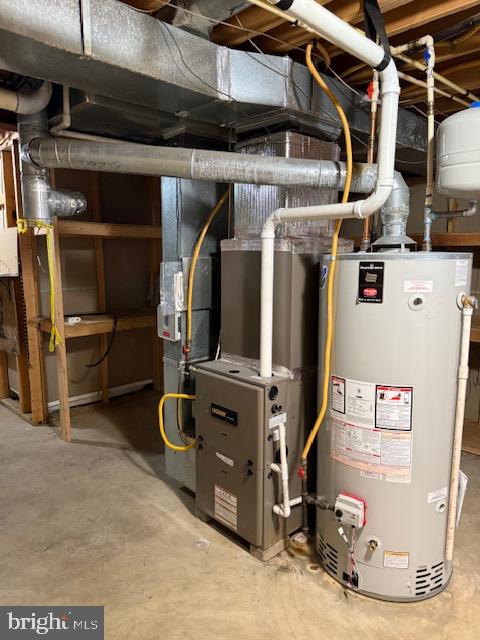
(254, 203)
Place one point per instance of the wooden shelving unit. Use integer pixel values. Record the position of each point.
(93, 325)
(100, 324)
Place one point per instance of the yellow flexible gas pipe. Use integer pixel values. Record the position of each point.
(170, 445)
(193, 264)
(191, 281)
(331, 274)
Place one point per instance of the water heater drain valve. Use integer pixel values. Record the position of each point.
(350, 510)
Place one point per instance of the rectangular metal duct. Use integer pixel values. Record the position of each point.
(105, 47)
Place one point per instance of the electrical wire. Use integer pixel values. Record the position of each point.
(323, 57)
(187, 68)
(253, 32)
(331, 274)
(170, 445)
(110, 343)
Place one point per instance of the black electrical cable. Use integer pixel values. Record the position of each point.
(110, 343)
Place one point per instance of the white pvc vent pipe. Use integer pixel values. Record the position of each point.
(340, 33)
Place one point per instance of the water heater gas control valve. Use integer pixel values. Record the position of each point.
(350, 510)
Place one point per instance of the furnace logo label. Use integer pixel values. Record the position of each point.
(224, 414)
(25, 623)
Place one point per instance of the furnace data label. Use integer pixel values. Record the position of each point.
(225, 507)
(393, 408)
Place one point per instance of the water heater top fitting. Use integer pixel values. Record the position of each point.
(458, 154)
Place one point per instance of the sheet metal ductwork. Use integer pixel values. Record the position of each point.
(108, 49)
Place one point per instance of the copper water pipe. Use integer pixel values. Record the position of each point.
(367, 223)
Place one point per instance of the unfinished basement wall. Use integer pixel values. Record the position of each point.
(128, 283)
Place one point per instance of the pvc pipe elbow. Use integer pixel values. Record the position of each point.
(365, 208)
(281, 510)
(389, 79)
(268, 231)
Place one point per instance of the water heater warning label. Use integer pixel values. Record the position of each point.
(396, 559)
(372, 450)
(353, 401)
(394, 408)
(371, 427)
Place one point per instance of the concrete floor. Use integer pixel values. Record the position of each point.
(97, 522)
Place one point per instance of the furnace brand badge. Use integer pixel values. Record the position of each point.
(24, 623)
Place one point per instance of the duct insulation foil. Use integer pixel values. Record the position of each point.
(254, 203)
(385, 446)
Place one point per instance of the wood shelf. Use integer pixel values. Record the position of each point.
(97, 324)
(451, 239)
(108, 230)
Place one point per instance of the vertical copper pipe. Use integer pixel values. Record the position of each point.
(367, 223)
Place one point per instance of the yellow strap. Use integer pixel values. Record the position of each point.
(22, 226)
(55, 338)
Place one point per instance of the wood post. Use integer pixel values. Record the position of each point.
(155, 259)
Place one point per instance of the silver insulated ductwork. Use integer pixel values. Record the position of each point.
(221, 166)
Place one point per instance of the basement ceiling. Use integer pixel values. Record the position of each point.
(242, 25)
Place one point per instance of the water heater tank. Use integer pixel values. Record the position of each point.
(385, 447)
(458, 154)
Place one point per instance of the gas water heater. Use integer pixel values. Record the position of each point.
(384, 452)
(389, 448)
